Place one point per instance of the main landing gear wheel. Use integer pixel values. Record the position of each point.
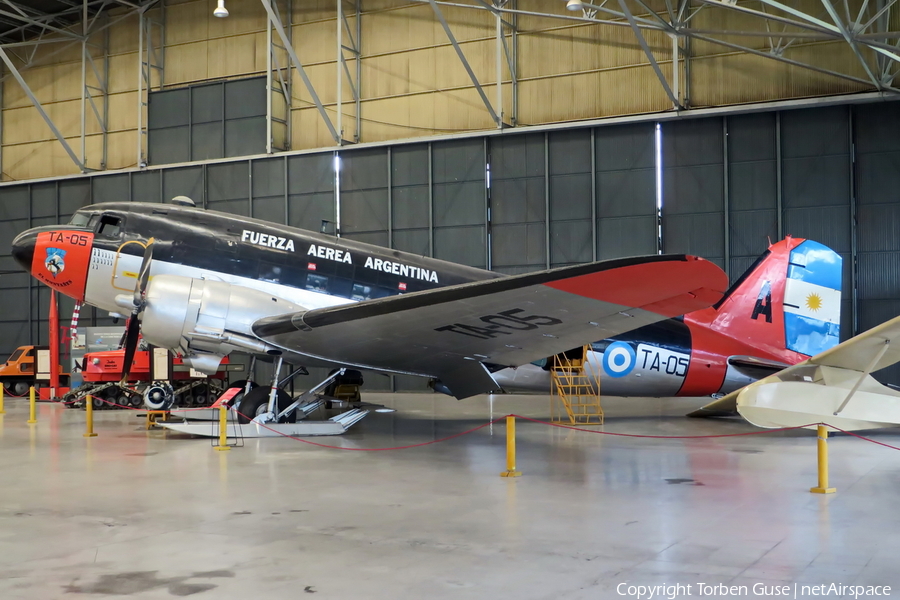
(241, 386)
(256, 403)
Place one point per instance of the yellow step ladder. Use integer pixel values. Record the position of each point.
(574, 399)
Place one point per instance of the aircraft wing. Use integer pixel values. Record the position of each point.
(451, 333)
(834, 387)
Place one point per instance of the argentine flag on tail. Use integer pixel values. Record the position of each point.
(812, 299)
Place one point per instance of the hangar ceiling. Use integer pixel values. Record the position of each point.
(854, 41)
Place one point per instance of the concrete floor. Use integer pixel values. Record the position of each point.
(148, 515)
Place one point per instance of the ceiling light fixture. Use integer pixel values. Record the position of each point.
(574, 5)
(221, 11)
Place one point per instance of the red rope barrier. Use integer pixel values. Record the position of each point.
(862, 437)
(663, 437)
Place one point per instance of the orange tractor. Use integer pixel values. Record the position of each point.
(20, 373)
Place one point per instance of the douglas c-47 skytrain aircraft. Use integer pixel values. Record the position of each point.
(203, 284)
(782, 310)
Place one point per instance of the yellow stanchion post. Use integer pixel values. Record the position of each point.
(2, 411)
(89, 421)
(223, 429)
(822, 443)
(31, 405)
(510, 448)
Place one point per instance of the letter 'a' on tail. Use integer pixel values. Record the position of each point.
(788, 303)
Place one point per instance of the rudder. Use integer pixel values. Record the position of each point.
(788, 301)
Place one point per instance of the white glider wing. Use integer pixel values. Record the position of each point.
(835, 387)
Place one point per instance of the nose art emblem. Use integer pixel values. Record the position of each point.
(55, 263)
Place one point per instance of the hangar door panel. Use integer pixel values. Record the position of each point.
(15, 285)
(815, 151)
(111, 188)
(411, 199)
(752, 189)
(460, 210)
(184, 181)
(626, 190)
(518, 215)
(310, 190)
(229, 188)
(877, 138)
(269, 200)
(364, 195)
(571, 197)
(693, 216)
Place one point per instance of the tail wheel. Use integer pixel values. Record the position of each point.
(256, 403)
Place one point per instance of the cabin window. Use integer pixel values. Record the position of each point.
(30, 352)
(80, 219)
(362, 292)
(15, 355)
(110, 226)
(316, 283)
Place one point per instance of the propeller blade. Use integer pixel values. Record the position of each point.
(132, 333)
(140, 285)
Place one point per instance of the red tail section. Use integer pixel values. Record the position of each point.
(752, 311)
(749, 320)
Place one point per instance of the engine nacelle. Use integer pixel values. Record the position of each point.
(206, 320)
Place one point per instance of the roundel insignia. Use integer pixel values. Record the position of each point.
(619, 359)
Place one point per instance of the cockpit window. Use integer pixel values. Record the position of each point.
(80, 219)
(110, 226)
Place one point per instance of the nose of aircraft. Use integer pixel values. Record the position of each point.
(23, 249)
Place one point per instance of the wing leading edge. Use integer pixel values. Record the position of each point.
(451, 333)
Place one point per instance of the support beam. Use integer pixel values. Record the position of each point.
(852, 42)
(465, 63)
(151, 70)
(286, 40)
(59, 136)
(278, 81)
(646, 48)
(348, 43)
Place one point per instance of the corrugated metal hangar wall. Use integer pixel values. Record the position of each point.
(409, 78)
(520, 202)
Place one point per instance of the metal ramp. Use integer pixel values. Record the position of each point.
(336, 425)
(574, 398)
(212, 414)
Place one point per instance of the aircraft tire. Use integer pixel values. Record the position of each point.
(255, 403)
(241, 385)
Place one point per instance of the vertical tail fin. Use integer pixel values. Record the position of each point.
(789, 300)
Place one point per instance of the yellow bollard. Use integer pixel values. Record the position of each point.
(223, 429)
(31, 403)
(823, 463)
(89, 423)
(2, 412)
(510, 449)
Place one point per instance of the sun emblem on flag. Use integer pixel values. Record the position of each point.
(814, 302)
